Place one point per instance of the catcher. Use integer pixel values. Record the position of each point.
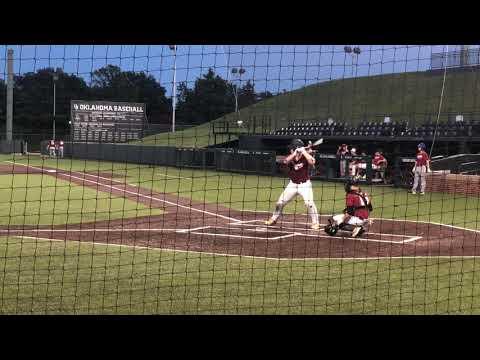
(299, 163)
(355, 217)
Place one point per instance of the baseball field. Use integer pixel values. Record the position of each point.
(89, 237)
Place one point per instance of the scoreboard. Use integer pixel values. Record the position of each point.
(104, 121)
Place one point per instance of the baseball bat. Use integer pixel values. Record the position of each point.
(315, 144)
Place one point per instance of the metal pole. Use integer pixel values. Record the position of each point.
(174, 90)
(353, 56)
(236, 99)
(9, 124)
(54, 106)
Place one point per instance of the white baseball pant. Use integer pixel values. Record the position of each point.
(292, 190)
(353, 220)
(420, 177)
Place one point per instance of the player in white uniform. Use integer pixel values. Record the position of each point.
(51, 148)
(299, 162)
(60, 148)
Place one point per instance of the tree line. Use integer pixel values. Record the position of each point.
(210, 97)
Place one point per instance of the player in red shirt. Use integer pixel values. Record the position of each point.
(379, 164)
(421, 168)
(299, 163)
(355, 217)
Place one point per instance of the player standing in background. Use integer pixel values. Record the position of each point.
(341, 153)
(379, 163)
(51, 148)
(299, 162)
(352, 166)
(422, 166)
(60, 148)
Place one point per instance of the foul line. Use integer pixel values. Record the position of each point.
(13, 232)
(137, 247)
(85, 230)
(131, 192)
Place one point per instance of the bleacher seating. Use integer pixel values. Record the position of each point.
(373, 129)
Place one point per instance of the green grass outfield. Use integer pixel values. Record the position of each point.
(42, 276)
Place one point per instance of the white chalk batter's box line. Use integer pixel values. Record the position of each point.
(242, 236)
(407, 238)
(291, 234)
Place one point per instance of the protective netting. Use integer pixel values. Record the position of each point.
(190, 179)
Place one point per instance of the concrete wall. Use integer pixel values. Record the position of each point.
(9, 147)
(234, 160)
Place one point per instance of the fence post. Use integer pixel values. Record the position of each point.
(396, 172)
(368, 169)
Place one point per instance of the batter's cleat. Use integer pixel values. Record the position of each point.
(414, 193)
(315, 226)
(357, 231)
(270, 222)
(422, 193)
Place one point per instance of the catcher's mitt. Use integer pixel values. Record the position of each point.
(331, 229)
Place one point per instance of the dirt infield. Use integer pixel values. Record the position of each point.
(196, 226)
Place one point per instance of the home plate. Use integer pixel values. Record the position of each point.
(261, 229)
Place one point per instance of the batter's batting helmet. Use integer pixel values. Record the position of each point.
(296, 143)
(422, 146)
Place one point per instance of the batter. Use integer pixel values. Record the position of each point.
(299, 163)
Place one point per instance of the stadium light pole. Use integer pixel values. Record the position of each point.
(347, 50)
(10, 85)
(55, 79)
(240, 72)
(174, 86)
(356, 52)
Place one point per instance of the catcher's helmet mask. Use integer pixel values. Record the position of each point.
(349, 184)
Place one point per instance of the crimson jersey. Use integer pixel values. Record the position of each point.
(422, 158)
(355, 200)
(342, 153)
(299, 170)
(52, 144)
(378, 159)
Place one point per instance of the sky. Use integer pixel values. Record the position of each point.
(270, 67)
